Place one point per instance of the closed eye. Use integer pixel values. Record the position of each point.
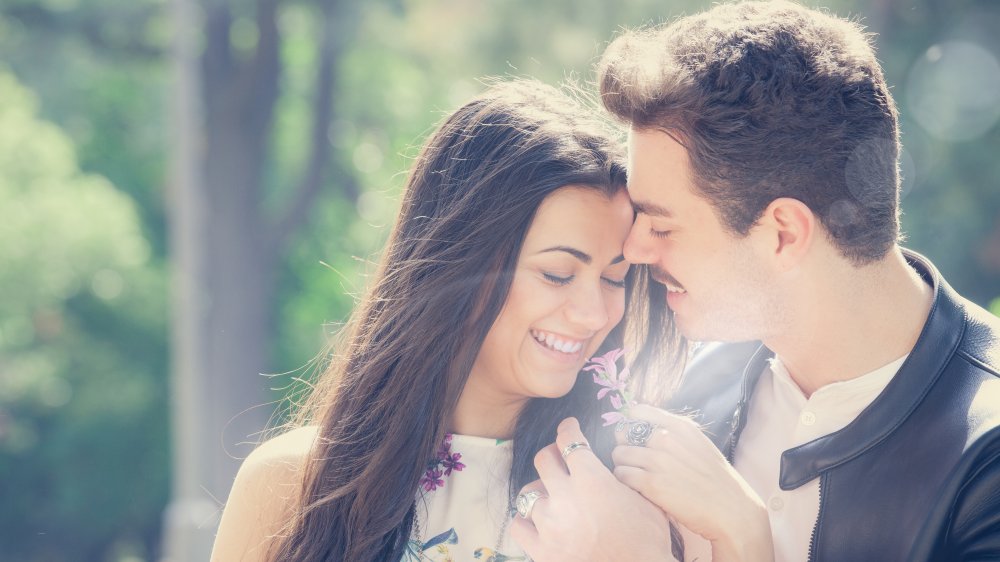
(659, 233)
(556, 280)
(614, 282)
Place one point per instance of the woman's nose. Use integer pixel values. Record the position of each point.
(587, 309)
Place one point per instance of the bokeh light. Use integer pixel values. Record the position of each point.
(953, 91)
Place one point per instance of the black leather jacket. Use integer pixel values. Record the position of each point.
(917, 475)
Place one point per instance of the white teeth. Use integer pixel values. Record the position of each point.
(552, 342)
(672, 289)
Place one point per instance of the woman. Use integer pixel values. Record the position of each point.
(502, 275)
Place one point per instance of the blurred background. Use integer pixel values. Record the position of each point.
(192, 191)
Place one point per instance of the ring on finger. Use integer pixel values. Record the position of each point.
(639, 432)
(574, 446)
(525, 502)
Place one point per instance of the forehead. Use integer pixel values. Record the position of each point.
(582, 216)
(659, 173)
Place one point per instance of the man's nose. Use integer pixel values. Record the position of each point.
(637, 245)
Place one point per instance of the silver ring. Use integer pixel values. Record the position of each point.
(575, 445)
(525, 502)
(639, 432)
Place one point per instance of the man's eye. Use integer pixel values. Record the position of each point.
(659, 233)
(556, 280)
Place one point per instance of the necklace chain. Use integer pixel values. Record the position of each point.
(419, 534)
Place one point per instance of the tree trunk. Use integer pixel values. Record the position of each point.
(186, 537)
(223, 267)
(225, 251)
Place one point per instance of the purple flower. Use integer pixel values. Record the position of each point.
(432, 480)
(451, 462)
(444, 451)
(606, 373)
(616, 402)
(606, 364)
(611, 418)
(612, 382)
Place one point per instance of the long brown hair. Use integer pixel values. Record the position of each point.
(383, 407)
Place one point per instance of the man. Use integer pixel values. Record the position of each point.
(763, 170)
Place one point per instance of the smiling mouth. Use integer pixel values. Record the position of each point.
(665, 279)
(557, 343)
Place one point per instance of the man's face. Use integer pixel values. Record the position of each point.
(718, 282)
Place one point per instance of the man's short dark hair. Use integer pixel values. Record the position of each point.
(771, 99)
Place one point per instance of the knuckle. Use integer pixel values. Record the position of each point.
(541, 459)
(566, 429)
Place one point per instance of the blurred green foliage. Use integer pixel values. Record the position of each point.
(82, 326)
(84, 459)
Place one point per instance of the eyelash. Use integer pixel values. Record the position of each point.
(661, 234)
(556, 280)
(615, 284)
(562, 281)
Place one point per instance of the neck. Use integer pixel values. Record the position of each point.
(484, 412)
(850, 321)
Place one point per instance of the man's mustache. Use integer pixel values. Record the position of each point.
(663, 277)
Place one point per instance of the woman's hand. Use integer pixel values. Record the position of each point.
(585, 513)
(683, 473)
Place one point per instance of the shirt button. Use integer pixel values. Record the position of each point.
(776, 503)
(807, 418)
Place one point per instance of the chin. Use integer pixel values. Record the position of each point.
(555, 391)
(706, 332)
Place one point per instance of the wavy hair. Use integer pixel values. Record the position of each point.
(770, 99)
(382, 408)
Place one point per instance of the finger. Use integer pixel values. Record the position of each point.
(543, 511)
(675, 423)
(641, 481)
(526, 535)
(534, 486)
(537, 487)
(581, 459)
(552, 471)
(646, 458)
(658, 438)
(682, 428)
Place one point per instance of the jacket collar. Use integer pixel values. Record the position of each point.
(938, 341)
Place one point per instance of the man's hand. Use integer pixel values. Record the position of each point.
(586, 513)
(683, 473)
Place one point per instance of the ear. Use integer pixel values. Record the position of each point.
(794, 226)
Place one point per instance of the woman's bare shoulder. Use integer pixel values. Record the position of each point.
(263, 496)
(289, 449)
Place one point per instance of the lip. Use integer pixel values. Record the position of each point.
(674, 299)
(559, 356)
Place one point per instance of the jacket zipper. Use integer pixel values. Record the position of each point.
(812, 536)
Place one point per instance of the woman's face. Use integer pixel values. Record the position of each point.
(567, 294)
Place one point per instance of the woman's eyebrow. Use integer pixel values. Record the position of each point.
(579, 254)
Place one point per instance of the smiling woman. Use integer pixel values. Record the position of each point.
(567, 293)
(503, 274)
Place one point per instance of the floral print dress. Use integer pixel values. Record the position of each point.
(463, 510)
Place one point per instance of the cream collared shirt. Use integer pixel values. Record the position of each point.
(780, 418)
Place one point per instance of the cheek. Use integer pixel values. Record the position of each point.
(615, 307)
(527, 301)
